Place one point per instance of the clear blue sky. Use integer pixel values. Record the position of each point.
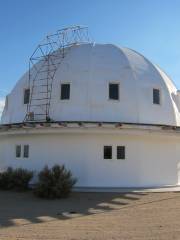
(151, 27)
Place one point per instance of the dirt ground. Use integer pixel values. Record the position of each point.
(91, 216)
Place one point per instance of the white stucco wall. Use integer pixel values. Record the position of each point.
(152, 159)
(89, 68)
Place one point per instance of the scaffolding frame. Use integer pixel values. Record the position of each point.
(43, 65)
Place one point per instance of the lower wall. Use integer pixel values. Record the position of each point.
(151, 160)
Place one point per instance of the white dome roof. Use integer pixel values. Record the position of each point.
(89, 68)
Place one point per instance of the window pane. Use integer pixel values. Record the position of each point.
(113, 91)
(26, 151)
(120, 152)
(26, 96)
(18, 151)
(107, 152)
(156, 96)
(65, 91)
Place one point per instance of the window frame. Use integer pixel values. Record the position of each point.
(121, 156)
(65, 99)
(111, 148)
(25, 89)
(159, 90)
(114, 83)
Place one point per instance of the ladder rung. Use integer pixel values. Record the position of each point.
(44, 104)
(53, 64)
(37, 95)
(48, 65)
(42, 85)
(43, 79)
(46, 92)
(39, 114)
(40, 98)
(48, 70)
(44, 58)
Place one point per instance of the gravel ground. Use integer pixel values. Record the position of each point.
(91, 216)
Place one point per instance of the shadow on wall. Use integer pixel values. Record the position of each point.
(18, 209)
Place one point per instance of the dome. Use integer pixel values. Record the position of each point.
(89, 69)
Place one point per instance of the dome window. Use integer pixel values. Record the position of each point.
(113, 91)
(156, 96)
(26, 96)
(65, 91)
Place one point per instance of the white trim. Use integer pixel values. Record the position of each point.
(89, 128)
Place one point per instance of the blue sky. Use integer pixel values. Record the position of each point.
(151, 27)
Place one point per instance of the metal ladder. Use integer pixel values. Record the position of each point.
(41, 89)
(43, 65)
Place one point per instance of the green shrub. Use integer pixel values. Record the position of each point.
(56, 182)
(6, 179)
(21, 179)
(15, 179)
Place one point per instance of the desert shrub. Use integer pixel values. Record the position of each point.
(21, 179)
(15, 179)
(56, 182)
(6, 179)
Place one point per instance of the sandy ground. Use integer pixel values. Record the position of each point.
(95, 216)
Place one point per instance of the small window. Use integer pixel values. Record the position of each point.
(26, 96)
(107, 152)
(120, 152)
(114, 91)
(65, 91)
(156, 96)
(18, 151)
(26, 151)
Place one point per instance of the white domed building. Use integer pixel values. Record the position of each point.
(106, 112)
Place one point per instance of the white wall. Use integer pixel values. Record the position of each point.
(151, 159)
